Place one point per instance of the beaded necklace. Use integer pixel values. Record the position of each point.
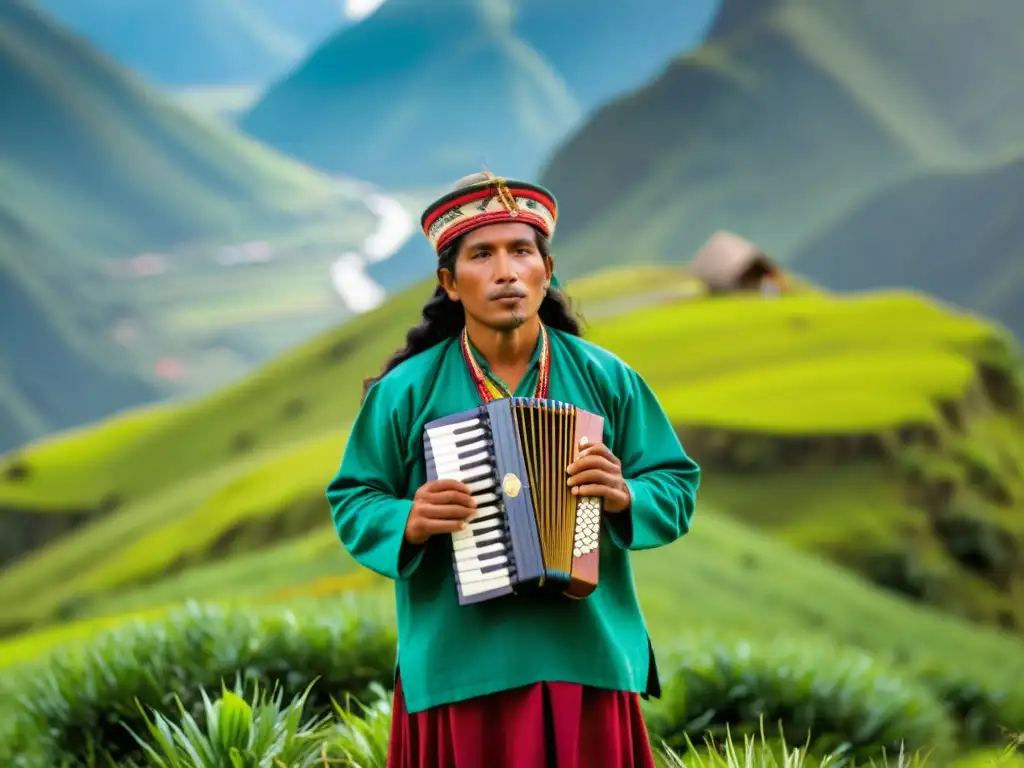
(492, 388)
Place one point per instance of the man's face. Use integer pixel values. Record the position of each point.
(500, 275)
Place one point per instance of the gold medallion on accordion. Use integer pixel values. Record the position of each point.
(511, 485)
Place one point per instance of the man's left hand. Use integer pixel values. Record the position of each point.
(596, 472)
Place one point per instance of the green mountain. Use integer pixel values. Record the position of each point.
(192, 42)
(787, 120)
(577, 36)
(423, 90)
(956, 234)
(881, 432)
(98, 169)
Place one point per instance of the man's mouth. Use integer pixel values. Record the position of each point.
(507, 296)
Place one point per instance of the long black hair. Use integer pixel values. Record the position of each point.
(444, 318)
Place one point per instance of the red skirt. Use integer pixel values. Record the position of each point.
(545, 725)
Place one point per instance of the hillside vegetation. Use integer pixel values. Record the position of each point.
(97, 169)
(424, 91)
(789, 121)
(844, 704)
(881, 430)
(200, 42)
(751, 585)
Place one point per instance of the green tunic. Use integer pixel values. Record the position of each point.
(448, 652)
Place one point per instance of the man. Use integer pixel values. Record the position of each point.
(524, 680)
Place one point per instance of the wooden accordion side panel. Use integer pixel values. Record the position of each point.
(586, 539)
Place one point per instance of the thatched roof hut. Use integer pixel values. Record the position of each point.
(728, 263)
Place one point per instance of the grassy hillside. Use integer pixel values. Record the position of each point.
(917, 233)
(425, 91)
(42, 352)
(97, 169)
(785, 121)
(200, 42)
(749, 583)
(880, 430)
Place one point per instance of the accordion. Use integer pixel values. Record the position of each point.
(530, 532)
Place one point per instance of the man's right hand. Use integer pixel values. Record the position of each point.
(439, 506)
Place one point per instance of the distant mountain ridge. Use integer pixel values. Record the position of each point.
(790, 118)
(190, 42)
(424, 91)
(957, 235)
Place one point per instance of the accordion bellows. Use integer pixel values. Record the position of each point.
(530, 531)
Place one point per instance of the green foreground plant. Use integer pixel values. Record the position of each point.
(138, 696)
(847, 703)
(264, 732)
(762, 752)
(238, 733)
(78, 701)
(361, 739)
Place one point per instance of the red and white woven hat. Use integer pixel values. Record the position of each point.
(484, 198)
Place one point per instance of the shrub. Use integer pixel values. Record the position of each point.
(840, 702)
(980, 546)
(985, 712)
(294, 408)
(17, 469)
(74, 703)
(1007, 757)
(902, 571)
(242, 442)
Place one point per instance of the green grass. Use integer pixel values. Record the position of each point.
(245, 498)
(115, 551)
(811, 364)
(810, 367)
(310, 567)
(723, 576)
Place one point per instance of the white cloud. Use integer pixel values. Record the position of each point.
(358, 9)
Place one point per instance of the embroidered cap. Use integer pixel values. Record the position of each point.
(484, 198)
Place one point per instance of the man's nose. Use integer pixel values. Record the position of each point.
(504, 269)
